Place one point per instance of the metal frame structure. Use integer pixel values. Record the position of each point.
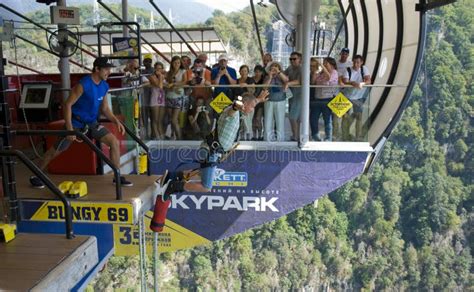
(141, 38)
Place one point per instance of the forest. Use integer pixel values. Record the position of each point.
(407, 225)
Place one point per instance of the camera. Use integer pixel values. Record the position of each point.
(198, 75)
(222, 68)
(202, 108)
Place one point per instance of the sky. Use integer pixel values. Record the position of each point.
(225, 5)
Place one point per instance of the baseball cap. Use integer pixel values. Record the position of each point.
(223, 57)
(345, 50)
(102, 62)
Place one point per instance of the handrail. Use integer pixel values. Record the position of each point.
(83, 137)
(136, 139)
(49, 184)
(263, 86)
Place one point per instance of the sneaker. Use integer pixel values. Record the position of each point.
(36, 182)
(124, 182)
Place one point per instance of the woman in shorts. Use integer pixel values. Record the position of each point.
(176, 101)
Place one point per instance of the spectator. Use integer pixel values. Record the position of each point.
(342, 64)
(257, 124)
(186, 65)
(294, 75)
(132, 74)
(267, 59)
(145, 105)
(358, 75)
(200, 78)
(132, 79)
(203, 58)
(223, 75)
(176, 101)
(243, 81)
(319, 103)
(185, 62)
(157, 102)
(200, 119)
(275, 107)
(148, 62)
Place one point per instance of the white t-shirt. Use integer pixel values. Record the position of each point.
(341, 67)
(356, 76)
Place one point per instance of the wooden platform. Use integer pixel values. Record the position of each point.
(101, 191)
(46, 262)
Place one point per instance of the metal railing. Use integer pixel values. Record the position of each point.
(49, 184)
(92, 146)
(136, 139)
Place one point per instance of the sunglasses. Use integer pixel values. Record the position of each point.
(292, 59)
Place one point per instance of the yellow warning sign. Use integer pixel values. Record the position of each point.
(172, 238)
(340, 105)
(220, 102)
(81, 212)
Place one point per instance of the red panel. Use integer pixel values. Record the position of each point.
(114, 130)
(77, 159)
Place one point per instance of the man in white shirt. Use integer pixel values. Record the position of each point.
(343, 63)
(358, 75)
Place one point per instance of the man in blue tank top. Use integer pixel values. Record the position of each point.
(81, 112)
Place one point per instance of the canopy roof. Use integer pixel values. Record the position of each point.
(201, 39)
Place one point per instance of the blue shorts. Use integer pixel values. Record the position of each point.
(94, 130)
(208, 174)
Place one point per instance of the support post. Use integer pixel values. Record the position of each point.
(125, 18)
(305, 72)
(8, 174)
(64, 69)
(299, 33)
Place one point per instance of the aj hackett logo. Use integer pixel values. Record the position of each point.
(229, 202)
(230, 179)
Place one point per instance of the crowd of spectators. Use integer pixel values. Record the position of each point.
(176, 103)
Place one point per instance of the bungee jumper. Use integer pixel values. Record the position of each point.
(215, 149)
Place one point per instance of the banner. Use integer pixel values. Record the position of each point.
(254, 187)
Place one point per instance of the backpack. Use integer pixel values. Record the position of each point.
(361, 72)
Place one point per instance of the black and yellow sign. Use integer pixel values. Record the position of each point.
(340, 105)
(81, 212)
(220, 102)
(173, 237)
